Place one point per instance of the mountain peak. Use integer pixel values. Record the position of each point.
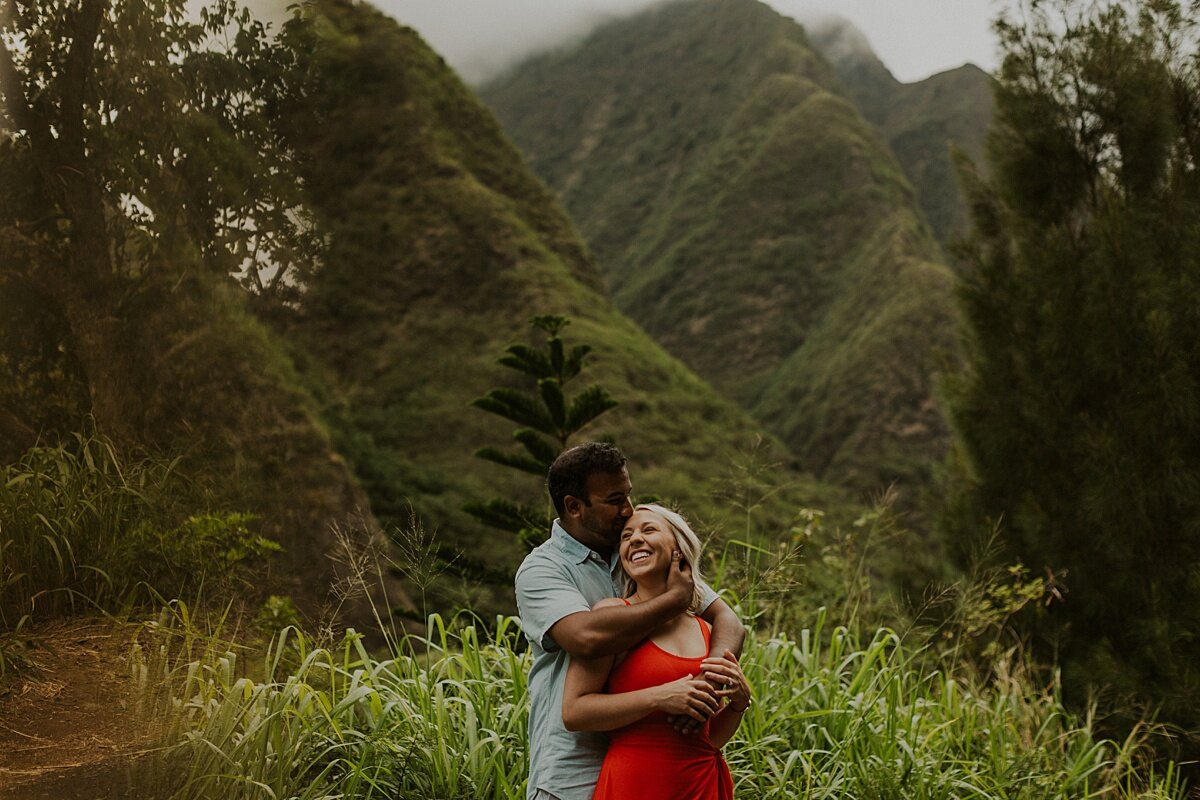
(747, 216)
(843, 44)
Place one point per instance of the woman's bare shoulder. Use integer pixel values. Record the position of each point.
(608, 602)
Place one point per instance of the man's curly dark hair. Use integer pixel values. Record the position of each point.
(569, 473)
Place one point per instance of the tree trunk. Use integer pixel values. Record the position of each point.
(86, 284)
(107, 357)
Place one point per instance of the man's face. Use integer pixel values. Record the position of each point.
(608, 496)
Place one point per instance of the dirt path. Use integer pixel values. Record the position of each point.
(66, 730)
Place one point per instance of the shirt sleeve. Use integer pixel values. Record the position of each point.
(707, 596)
(546, 594)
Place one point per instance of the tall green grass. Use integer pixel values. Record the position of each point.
(65, 515)
(447, 720)
(84, 528)
(445, 716)
(840, 718)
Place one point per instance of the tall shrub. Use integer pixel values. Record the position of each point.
(1077, 412)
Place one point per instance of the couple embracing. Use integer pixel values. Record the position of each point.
(635, 685)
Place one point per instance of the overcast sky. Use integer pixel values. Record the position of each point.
(914, 38)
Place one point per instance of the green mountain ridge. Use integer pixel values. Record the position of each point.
(749, 218)
(443, 245)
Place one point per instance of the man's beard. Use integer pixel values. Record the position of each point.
(610, 534)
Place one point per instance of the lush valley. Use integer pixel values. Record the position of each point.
(349, 403)
(443, 245)
(747, 216)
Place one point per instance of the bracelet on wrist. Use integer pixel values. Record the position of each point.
(743, 709)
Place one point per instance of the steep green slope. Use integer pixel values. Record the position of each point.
(442, 245)
(222, 390)
(920, 120)
(748, 218)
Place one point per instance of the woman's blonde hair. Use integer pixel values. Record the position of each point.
(689, 547)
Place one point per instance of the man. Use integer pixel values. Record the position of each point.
(557, 585)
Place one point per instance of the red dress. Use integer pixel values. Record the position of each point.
(649, 760)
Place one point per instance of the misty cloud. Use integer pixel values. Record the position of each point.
(914, 38)
(480, 38)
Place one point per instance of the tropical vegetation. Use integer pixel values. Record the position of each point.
(252, 290)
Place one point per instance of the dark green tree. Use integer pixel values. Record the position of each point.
(137, 149)
(1077, 413)
(548, 420)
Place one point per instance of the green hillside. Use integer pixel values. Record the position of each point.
(746, 215)
(442, 245)
(920, 120)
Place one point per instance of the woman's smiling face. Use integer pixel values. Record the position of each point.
(646, 544)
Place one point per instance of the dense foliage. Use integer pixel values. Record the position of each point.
(141, 145)
(148, 207)
(1078, 411)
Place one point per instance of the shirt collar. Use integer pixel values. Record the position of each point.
(574, 549)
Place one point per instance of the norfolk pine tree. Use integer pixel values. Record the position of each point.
(547, 418)
(1077, 413)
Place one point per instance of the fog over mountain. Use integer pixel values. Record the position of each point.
(914, 38)
(481, 39)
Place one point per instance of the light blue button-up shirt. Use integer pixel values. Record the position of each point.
(559, 578)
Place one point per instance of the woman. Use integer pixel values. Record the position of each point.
(633, 696)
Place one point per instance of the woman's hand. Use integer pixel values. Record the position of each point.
(726, 675)
(688, 696)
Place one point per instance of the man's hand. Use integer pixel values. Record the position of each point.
(688, 698)
(686, 725)
(680, 583)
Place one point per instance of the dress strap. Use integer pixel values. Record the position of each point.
(626, 602)
(704, 633)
